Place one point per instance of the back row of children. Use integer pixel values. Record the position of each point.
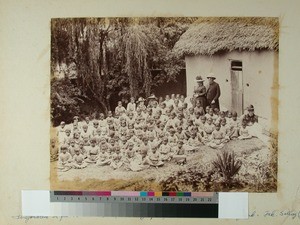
(143, 135)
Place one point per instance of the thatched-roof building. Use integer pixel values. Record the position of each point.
(243, 55)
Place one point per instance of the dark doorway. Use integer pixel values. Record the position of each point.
(237, 91)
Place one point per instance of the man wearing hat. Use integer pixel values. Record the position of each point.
(213, 92)
(200, 92)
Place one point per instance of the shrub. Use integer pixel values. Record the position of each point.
(227, 165)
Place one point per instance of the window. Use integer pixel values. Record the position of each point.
(236, 65)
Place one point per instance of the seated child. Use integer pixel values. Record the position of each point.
(180, 134)
(104, 156)
(217, 138)
(244, 131)
(199, 109)
(216, 112)
(110, 119)
(78, 159)
(234, 126)
(211, 115)
(165, 150)
(155, 158)
(86, 141)
(116, 161)
(207, 110)
(85, 133)
(82, 150)
(67, 137)
(190, 114)
(194, 142)
(123, 143)
(77, 138)
(93, 152)
(120, 110)
(229, 117)
(225, 129)
(179, 156)
(172, 138)
(130, 119)
(131, 106)
(140, 160)
(190, 125)
(153, 142)
(75, 127)
(93, 131)
(197, 119)
(182, 122)
(220, 117)
(72, 147)
(64, 159)
(128, 155)
(209, 127)
(150, 130)
(202, 122)
(102, 121)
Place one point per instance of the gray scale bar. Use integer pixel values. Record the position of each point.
(134, 199)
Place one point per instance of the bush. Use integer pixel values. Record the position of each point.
(63, 101)
(227, 166)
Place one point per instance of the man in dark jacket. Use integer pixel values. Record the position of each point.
(213, 92)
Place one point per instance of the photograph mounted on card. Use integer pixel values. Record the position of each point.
(164, 104)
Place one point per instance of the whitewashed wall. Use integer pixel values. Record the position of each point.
(259, 69)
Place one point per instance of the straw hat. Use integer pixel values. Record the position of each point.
(199, 79)
(140, 99)
(152, 96)
(211, 75)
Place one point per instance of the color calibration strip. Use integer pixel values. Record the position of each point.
(134, 197)
(139, 204)
(217, 205)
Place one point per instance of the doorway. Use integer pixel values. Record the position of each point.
(237, 92)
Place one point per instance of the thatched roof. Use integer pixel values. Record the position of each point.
(208, 36)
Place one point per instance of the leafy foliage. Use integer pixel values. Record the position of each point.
(192, 179)
(64, 100)
(117, 55)
(227, 165)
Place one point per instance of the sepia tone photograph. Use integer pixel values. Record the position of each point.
(164, 104)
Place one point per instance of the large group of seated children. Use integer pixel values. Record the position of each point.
(145, 135)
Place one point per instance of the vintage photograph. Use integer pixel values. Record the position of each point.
(164, 104)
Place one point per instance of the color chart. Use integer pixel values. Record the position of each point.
(135, 204)
(142, 204)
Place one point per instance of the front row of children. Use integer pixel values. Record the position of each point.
(132, 158)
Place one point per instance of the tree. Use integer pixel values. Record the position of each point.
(117, 55)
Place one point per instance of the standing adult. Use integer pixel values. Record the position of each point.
(213, 92)
(200, 92)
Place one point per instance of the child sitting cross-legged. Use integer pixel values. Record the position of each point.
(165, 150)
(104, 157)
(64, 159)
(117, 158)
(244, 131)
(155, 158)
(217, 138)
(92, 152)
(179, 157)
(78, 159)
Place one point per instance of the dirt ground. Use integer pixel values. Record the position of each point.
(253, 153)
